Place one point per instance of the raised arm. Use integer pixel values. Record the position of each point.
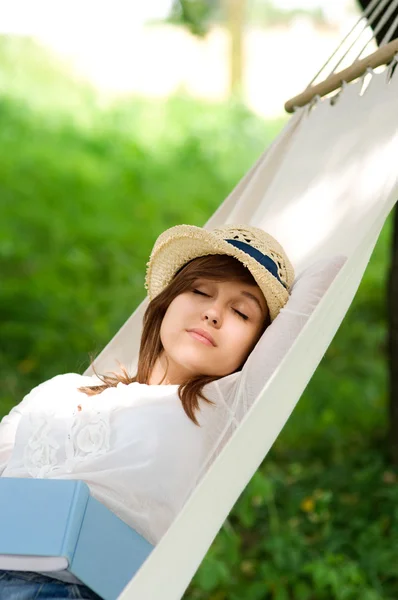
(307, 291)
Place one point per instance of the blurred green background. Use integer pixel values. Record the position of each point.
(85, 188)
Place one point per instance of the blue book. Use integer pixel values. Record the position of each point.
(53, 524)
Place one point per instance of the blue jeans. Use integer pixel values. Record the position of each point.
(24, 585)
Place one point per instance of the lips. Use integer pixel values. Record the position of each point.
(202, 336)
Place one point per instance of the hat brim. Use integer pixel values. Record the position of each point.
(182, 243)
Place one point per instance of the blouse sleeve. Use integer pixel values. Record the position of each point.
(9, 423)
(281, 334)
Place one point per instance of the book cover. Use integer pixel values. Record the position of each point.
(54, 525)
(40, 522)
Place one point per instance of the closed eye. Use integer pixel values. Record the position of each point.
(241, 315)
(245, 317)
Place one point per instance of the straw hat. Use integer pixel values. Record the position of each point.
(257, 250)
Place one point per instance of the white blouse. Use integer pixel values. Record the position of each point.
(133, 445)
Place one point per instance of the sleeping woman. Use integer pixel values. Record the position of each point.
(142, 443)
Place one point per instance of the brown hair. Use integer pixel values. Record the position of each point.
(218, 267)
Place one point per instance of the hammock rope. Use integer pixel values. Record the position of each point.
(353, 47)
(383, 20)
(381, 57)
(366, 19)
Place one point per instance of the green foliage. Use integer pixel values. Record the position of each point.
(85, 189)
(199, 15)
(268, 13)
(196, 15)
(311, 530)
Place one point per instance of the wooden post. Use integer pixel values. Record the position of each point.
(235, 19)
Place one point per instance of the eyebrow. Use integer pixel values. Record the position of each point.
(252, 297)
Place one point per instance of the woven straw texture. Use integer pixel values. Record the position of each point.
(180, 244)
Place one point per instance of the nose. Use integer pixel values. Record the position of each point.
(212, 315)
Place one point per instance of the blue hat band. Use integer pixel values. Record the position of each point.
(264, 260)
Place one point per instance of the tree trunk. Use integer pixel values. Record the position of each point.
(235, 20)
(392, 288)
(392, 292)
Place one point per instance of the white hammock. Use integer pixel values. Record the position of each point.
(324, 188)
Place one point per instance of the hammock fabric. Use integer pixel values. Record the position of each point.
(324, 188)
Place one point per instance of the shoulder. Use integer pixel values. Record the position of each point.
(226, 386)
(221, 393)
(64, 381)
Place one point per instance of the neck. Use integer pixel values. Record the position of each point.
(164, 373)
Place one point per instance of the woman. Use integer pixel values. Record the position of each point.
(142, 443)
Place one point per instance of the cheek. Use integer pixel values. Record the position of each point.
(242, 344)
(174, 319)
(167, 327)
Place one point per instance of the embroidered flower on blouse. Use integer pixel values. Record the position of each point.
(40, 454)
(89, 436)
